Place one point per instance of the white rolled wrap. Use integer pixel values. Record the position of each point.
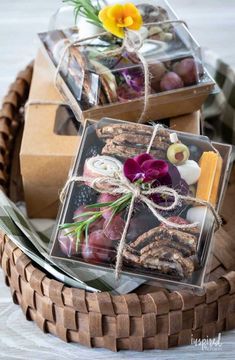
(102, 166)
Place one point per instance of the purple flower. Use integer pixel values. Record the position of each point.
(173, 180)
(144, 167)
(134, 78)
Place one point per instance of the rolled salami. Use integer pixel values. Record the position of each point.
(102, 166)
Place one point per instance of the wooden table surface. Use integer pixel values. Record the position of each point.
(213, 24)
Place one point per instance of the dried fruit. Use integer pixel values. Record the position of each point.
(157, 71)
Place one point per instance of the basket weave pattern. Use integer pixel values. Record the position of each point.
(159, 319)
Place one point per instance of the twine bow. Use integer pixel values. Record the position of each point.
(120, 185)
(132, 42)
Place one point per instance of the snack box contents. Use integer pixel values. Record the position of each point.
(174, 176)
(96, 78)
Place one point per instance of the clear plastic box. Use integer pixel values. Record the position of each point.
(154, 251)
(96, 82)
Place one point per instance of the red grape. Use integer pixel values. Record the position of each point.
(103, 198)
(96, 255)
(96, 225)
(98, 239)
(113, 229)
(98, 249)
(187, 70)
(67, 243)
(171, 81)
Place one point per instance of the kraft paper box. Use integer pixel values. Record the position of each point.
(46, 156)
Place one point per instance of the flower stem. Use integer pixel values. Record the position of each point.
(86, 9)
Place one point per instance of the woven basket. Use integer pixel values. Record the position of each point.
(137, 321)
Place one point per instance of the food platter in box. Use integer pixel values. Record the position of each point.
(118, 141)
(100, 78)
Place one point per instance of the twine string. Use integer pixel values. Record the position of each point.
(122, 186)
(122, 242)
(156, 128)
(44, 102)
(146, 86)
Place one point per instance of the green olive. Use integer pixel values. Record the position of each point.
(178, 153)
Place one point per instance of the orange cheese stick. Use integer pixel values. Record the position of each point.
(208, 182)
(214, 192)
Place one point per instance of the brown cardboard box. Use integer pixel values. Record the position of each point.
(46, 156)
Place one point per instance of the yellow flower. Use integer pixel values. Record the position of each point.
(116, 18)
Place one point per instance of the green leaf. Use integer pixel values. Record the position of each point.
(86, 9)
(78, 240)
(121, 200)
(88, 213)
(66, 226)
(99, 205)
(111, 218)
(86, 234)
(123, 206)
(79, 222)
